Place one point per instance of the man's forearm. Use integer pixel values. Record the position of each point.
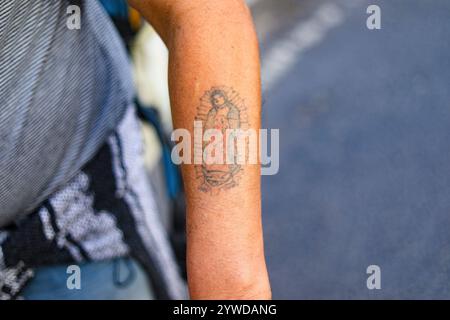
(214, 78)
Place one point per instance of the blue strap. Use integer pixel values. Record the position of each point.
(116, 8)
(172, 175)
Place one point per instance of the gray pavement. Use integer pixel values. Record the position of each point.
(364, 119)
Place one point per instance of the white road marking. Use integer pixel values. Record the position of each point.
(304, 36)
(251, 3)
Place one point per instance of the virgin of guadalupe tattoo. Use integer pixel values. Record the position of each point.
(221, 109)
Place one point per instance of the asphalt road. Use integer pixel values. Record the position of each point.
(364, 119)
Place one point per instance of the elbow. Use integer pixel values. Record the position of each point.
(196, 19)
(203, 20)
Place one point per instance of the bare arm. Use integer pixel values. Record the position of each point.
(213, 49)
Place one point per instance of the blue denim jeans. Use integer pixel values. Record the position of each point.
(119, 279)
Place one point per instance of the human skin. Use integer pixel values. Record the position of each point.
(213, 46)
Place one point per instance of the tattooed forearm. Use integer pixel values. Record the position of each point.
(221, 112)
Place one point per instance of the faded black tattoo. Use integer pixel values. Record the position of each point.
(221, 108)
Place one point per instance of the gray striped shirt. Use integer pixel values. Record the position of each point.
(61, 93)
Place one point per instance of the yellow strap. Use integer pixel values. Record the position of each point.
(135, 19)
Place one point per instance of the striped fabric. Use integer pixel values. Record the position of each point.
(106, 211)
(61, 93)
(72, 180)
